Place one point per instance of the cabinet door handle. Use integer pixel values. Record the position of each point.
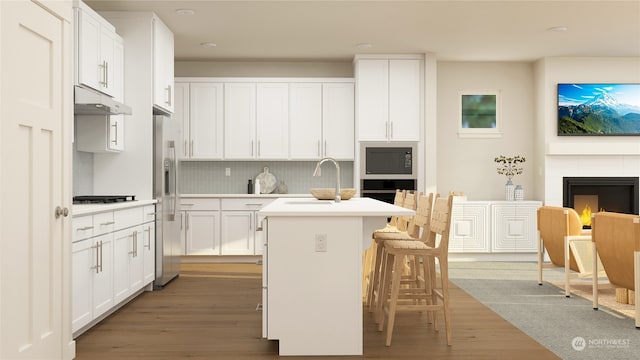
(106, 74)
(191, 149)
(168, 101)
(325, 148)
(103, 74)
(251, 147)
(133, 244)
(391, 126)
(85, 228)
(107, 223)
(148, 230)
(100, 255)
(386, 130)
(115, 132)
(258, 147)
(97, 267)
(319, 153)
(185, 148)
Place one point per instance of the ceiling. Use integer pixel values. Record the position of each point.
(515, 30)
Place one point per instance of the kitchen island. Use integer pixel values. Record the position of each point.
(312, 272)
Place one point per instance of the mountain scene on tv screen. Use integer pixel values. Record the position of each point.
(598, 109)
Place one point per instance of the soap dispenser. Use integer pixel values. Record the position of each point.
(250, 187)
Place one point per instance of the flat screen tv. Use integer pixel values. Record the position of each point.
(598, 109)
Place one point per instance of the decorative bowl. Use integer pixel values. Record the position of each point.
(330, 193)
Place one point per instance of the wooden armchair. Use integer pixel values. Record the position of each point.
(561, 235)
(616, 239)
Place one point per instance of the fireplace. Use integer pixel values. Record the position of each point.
(593, 194)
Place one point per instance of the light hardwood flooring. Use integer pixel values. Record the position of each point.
(209, 312)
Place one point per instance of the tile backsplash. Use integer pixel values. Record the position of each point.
(208, 177)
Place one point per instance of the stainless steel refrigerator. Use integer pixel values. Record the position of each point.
(167, 132)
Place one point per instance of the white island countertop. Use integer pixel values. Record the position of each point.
(357, 206)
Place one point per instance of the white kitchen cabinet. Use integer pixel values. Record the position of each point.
(201, 226)
(322, 120)
(128, 253)
(241, 233)
(305, 122)
(100, 133)
(181, 114)
(338, 120)
(202, 229)
(272, 121)
(388, 99)
(203, 127)
(163, 67)
(239, 120)
(149, 252)
(92, 269)
(98, 59)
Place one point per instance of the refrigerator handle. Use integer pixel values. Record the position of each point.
(172, 147)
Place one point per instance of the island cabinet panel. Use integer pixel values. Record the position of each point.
(313, 296)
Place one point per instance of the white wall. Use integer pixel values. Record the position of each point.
(585, 155)
(466, 164)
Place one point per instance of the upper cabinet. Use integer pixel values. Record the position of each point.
(321, 120)
(269, 119)
(388, 99)
(163, 88)
(98, 52)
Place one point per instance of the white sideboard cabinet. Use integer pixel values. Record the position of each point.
(494, 227)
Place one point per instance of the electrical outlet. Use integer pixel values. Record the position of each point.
(321, 242)
(227, 172)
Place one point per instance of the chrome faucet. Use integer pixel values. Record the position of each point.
(318, 172)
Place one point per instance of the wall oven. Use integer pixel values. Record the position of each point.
(385, 167)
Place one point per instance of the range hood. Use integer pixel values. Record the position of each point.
(91, 102)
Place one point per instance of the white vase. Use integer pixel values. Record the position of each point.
(509, 191)
(519, 193)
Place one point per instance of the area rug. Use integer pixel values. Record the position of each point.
(606, 296)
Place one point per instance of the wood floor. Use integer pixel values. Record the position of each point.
(209, 312)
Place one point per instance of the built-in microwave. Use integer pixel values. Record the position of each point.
(388, 160)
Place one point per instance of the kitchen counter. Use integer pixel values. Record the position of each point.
(309, 206)
(312, 272)
(242, 195)
(86, 209)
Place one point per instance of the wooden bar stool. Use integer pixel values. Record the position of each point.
(405, 227)
(434, 245)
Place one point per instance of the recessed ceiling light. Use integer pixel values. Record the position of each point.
(208, 45)
(185, 12)
(558, 28)
(364, 46)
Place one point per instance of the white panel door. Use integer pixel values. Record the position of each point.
(272, 119)
(305, 120)
(206, 119)
(122, 252)
(149, 251)
(404, 100)
(89, 71)
(237, 232)
(103, 274)
(372, 99)
(35, 244)
(202, 236)
(240, 120)
(338, 121)
(82, 263)
(181, 114)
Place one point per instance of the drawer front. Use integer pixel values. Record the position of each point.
(244, 204)
(128, 217)
(82, 227)
(149, 213)
(188, 204)
(103, 223)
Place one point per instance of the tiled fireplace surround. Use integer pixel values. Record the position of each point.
(559, 166)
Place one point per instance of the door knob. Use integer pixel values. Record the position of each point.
(60, 211)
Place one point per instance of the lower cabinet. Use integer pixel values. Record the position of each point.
(113, 257)
(227, 226)
(494, 227)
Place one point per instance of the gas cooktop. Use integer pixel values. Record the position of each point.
(102, 199)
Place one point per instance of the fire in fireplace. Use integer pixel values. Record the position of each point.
(592, 194)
